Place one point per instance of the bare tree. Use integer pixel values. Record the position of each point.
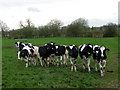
(55, 23)
(4, 28)
(21, 24)
(27, 23)
(54, 27)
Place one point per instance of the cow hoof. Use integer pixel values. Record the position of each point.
(75, 70)
(72, 70)
(19, 59)
(102, 75)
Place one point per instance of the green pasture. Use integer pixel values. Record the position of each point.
(16, 75)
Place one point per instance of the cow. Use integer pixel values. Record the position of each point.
(61, 52)
(46, 51)
(99, 56)
(73, 54)
(20, 46)
(85, 51)
(25, 48)
(26, 53)
(36, 54)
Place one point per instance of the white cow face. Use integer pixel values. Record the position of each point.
(17, 44)
(103, 51)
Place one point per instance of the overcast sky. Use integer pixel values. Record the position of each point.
(40, 12)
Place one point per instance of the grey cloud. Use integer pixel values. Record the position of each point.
(14, 3)
(32, 9)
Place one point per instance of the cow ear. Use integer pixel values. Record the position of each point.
(53, 43)
(76, 46)
(107, 49)
(67, 47)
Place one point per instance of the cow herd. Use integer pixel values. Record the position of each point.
(52, 54)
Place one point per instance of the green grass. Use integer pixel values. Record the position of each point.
(16, 75)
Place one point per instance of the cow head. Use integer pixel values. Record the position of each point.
(24, 53)
(103, 51)
(17, 44)
(89, 48)
(96, 48)
(71, 49)
(50, 47)
(52, 43)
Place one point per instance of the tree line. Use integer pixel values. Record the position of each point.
(55, 28)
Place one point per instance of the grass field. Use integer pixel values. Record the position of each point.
(16, 75)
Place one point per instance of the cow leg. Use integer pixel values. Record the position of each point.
(40, 59)
(26, 61)
(34, 61)
(83, 60)
(41, 62)
(61, 60)
(72, 67)
(64, 59)
(75, 65)
(51, 60)
(57, 62)
(45, 60)
(71, 64)
(29, 61)
(104, 64)
(101, 69)
(88, 64)
(48, 61)
(54, 60)
(18, 54)
(95, 61)
(75, 68)
(66, 56)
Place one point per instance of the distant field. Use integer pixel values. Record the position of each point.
(16, 75)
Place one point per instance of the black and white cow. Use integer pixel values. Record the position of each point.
(99, 56)
(85, 51)
(21, 45)
(46, 51)
(62, 53)
(26, 53)
(36, 54)
(73, 54)
(27, 49)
